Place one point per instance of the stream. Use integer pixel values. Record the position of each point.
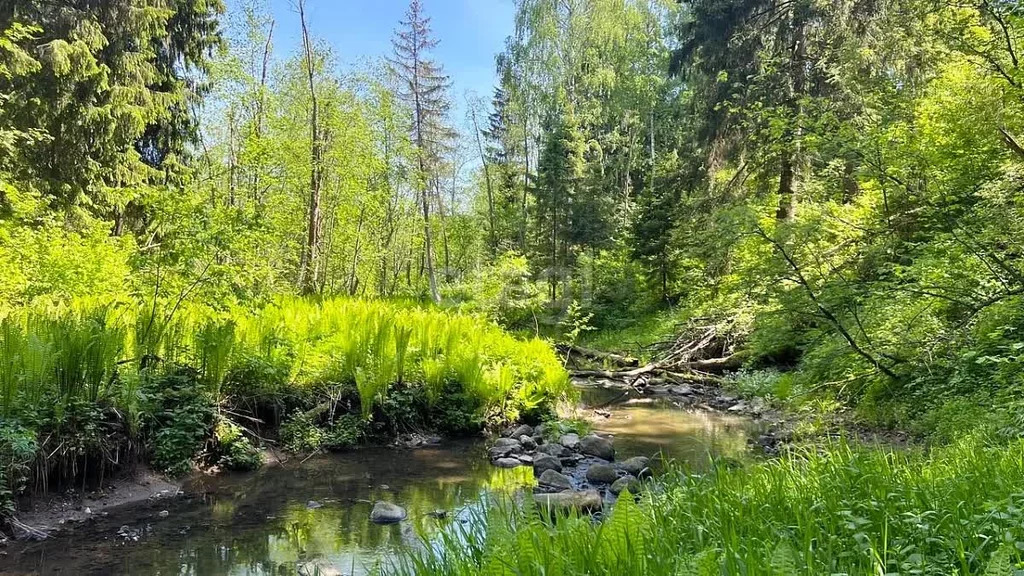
(314, 516)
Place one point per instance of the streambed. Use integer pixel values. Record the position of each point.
(314, 516)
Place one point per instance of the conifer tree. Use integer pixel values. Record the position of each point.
(423, 86)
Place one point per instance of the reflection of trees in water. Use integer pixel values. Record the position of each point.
(263, 526)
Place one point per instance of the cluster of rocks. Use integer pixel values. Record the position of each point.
(573, 472)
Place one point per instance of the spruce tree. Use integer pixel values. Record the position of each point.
(423, 86)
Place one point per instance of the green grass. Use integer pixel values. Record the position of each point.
(832, 509)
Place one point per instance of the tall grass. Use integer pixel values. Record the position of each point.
(823, 510)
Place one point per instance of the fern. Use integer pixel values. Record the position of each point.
(1000, 563)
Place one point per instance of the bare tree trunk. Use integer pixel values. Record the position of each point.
(353, 281)
(309, 277)
(791, 152)
(487, 180)
(261, 105)
(526, 185)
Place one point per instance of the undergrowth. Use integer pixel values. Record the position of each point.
(176, 383)
(834, 509)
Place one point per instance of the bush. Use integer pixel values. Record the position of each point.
(233, 450)
(180, 419)
(17, 450)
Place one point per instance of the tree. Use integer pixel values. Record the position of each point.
(309, 277)
(110, 103)
(423, 87)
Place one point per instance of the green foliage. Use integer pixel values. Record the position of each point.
(179, 418)
(504, 292)
(820, 510)
(234, 450)
(300, 433)
(18, 447)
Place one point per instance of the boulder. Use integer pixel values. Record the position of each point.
(508, 462)
(501, 452)
(594, 445)
(570, 441)
(556, 450)
(525, 458)
(554, 480)
(544, 462)
(624, 483)
(507, 443)
(527, 443)
(589, 501)
(634, 465)
(540, 430)
(601, 474)
(387, 513)
(523, 430)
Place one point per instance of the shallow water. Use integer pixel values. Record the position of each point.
(313, 516)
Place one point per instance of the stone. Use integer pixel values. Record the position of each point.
(634, 465)
(589, 501)
(507, 443)
(540, 430)
(740, 406)
(164, 514)
(645, 474)
(387, 513)
(545, 462)
(601, 474)
(523, 430)
(758, 405)
(570, 441)
(500, 452)
(527, 443)
(594, 445)
(525, 458)
(556, 450)
(625, 483)
(313, 504)
(682, 390)
(507, 462)
(556, 480)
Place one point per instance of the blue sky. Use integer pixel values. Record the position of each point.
(471, 32)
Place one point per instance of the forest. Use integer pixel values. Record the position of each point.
(211, 247)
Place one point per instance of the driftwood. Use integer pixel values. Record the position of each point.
(699, 354)
(599, 356)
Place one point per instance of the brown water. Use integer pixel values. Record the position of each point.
(313, 517)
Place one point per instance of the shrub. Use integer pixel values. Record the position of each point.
(180, 418)
(234, 451)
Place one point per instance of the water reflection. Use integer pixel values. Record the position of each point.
(314, 516)
(282, 519)
(652, 426)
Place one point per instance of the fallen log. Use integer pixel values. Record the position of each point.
(610, 357)
(710, 365)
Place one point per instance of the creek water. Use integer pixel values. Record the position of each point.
(314, 516)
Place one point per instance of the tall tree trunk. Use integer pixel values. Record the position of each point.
(490, 192)
(526, 186)
(791, 152)
(310, 274)
(261, 106)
